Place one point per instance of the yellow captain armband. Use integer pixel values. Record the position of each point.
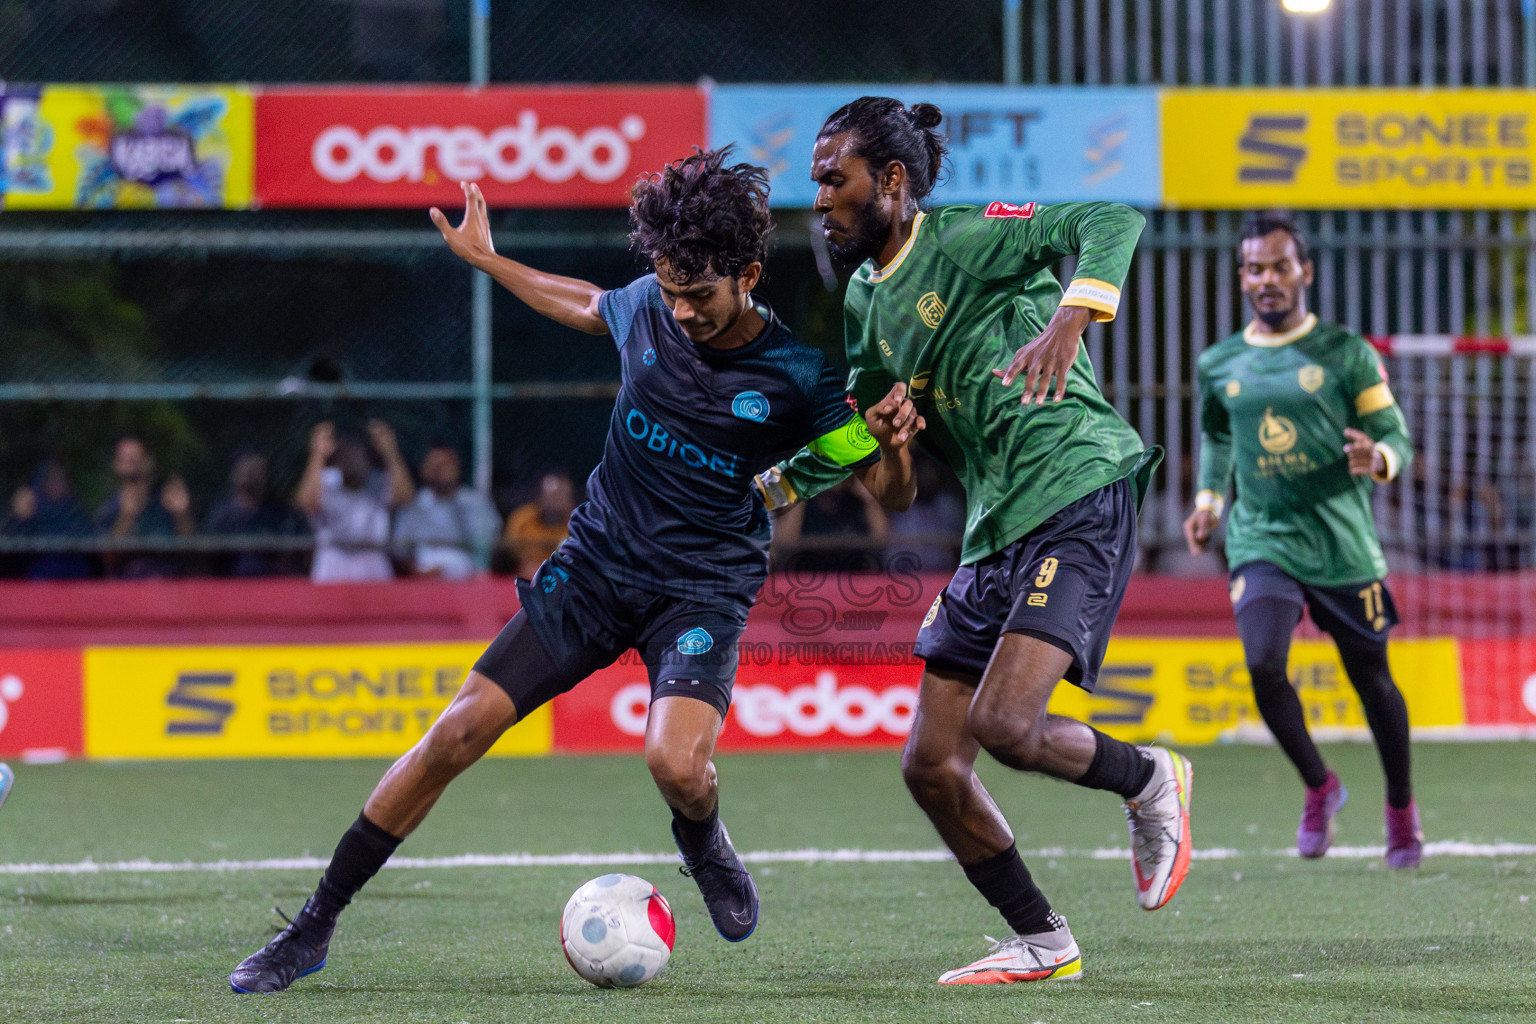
(1101, 297)
(1210, 501)
(1374, 399)
(1393, 463)
(776, 491)
(847, 445)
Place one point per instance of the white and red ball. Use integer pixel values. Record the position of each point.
(617, 931)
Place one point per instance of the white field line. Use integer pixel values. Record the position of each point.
(1448, 848)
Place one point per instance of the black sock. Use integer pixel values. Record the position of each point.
(692, 835)
(1005, 882)
(361, 853)
(1117, 767)
(1385, 712)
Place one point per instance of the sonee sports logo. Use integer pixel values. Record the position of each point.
(1279, 140)
(199, 693)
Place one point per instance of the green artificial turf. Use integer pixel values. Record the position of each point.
(1252, 937)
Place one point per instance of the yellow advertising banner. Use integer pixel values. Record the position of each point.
(129, 147)
(1349, 148)
(1197, 691)
(365, 701)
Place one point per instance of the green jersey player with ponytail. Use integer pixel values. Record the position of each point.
(955, 304)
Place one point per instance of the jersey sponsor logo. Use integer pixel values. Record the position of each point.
(1024, 212)
(1276, 433)
(931, 308)
(751, 405)
(695, 642)
(1234, 388)
(658, 440)
(1310, 378)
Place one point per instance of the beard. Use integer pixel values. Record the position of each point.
(865, 235)
(1275, 317)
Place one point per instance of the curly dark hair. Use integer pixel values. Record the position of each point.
(704, 218)
(884, 130)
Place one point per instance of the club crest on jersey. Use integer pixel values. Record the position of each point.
(751, 405)
(919, 384)
(648, 357)
(696, 641)
(933, 611)
(1276, 433)
(1310, 378)
(931, 308)
(1024, 212)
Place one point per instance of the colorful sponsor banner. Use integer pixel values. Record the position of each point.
(40, 703)
(1499, 679)
(526, 147)
(1338, 148)
(147, 147)
(1182, 691)
(327, 701)
(1006, 144)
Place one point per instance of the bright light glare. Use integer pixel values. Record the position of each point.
(1304, 6)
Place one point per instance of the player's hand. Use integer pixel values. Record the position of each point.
(1049, 356)
(471, 240)
(322, 441)
(24, 503)
(382, 436)
(893, 421)
(1365, 459)
(175, 498)
(1198, 529)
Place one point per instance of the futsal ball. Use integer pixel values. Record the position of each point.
(617, 931)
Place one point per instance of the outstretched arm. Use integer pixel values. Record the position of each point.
(565, 300)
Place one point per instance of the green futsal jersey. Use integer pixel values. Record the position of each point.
(1273, 408)
(969, 288)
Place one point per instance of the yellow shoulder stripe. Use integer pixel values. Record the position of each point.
(1373, 399)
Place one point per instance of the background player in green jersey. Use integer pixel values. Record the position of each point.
(956, 304)
(1301, 411)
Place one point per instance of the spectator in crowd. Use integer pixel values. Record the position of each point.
(136, 511)
(929, 530)
(348, 503)
(249, 509)
(839, 530)
(534, 530)
(46, 508)
(448, 531)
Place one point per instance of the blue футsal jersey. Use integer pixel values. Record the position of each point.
(672, 508)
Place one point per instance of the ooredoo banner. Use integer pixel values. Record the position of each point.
(525, 147)
(321, 701)
(40, 703)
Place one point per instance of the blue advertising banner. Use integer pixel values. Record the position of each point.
(1011, 144)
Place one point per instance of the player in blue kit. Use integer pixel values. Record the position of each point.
(668, 552)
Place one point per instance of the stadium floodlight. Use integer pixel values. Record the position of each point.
(1305, 6)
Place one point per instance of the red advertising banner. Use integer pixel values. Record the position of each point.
(1498, 679)
(773, 707)
(40, 703)
(525, 146)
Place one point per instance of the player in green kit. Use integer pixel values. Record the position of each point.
(956, 303)
(1297, 414)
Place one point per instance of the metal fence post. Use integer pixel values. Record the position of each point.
(480, 292)
(1013, 42)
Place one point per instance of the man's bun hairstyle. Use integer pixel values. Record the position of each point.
(704, 218)
(884, 129)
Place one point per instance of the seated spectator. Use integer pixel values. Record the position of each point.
(842, 529)
(134, 510)
(249, 509)
(534, 530)
(448, 530)
(47, 508)
(348, 503)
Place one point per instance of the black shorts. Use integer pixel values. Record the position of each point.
(1359, 612)
(1062, 582)
(576, 620)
